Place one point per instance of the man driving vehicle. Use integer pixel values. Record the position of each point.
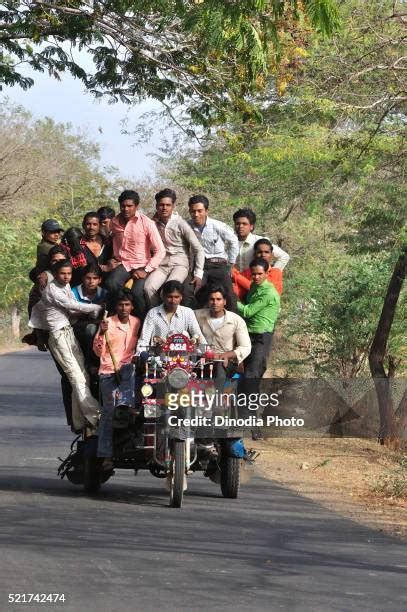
(169, 318)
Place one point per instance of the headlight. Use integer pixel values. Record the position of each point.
(178, 378)
(147, 390)
(151, 411)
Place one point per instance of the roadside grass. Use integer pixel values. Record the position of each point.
(393, 485)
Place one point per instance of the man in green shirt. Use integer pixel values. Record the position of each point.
(260, 313)
(262, 302)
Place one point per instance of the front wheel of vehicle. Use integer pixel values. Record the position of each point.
(177, 474)
(230, 477)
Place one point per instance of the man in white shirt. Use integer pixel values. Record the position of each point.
(221, 248)
(225, 331)
(245, 221)
(52, 313)
(169, 318)
(180, 242)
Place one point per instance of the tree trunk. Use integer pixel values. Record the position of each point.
(15, 322)
(401, 412)
(389, 428)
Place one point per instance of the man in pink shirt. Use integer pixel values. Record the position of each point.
(137, 249)
(115, 343)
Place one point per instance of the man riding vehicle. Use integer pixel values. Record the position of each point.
(225, 331)
(114, 343)
(180, 243)
(260, 312)
(169, 318)
(221, 248)
(245, 221)
(52, 313)
(135, 236)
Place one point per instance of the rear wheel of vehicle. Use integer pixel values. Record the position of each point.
(230, 477)
(177, 474)
(91, 481)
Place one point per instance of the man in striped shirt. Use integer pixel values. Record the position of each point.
(169, 318)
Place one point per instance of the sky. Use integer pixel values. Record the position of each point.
(67, 101)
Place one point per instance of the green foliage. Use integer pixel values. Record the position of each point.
(362, 68)
(17, 257)
(46, 170)
(337, 308)
(324, 16)
(209, 56)
(327, 180)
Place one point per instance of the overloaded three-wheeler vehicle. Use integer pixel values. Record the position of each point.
(172, 430)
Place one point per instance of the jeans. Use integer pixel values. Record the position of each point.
(117, 278)
(254, 367)
(113, 394)
(214, 274)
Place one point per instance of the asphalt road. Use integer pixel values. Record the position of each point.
(127, 550)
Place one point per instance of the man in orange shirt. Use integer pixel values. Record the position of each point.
(242, 280)
(116, 372)
(135, 236)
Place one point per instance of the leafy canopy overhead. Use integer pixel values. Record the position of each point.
(204, 55)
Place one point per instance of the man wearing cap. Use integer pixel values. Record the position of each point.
(51, 233)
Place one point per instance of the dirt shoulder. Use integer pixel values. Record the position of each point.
(356, 478)
(11, 347)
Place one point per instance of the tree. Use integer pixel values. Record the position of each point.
(363, 68)
(206, 55)
(17, 253)
(45, 164)
(390, 430)
(330, 189)
(46, 170)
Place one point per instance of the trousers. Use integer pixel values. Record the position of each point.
(117, 278)
(66, 351)
(255, 365)
(85, 333)
(113, 394)
(214, 274)
(171, 268)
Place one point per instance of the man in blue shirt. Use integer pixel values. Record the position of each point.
(88, 292)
